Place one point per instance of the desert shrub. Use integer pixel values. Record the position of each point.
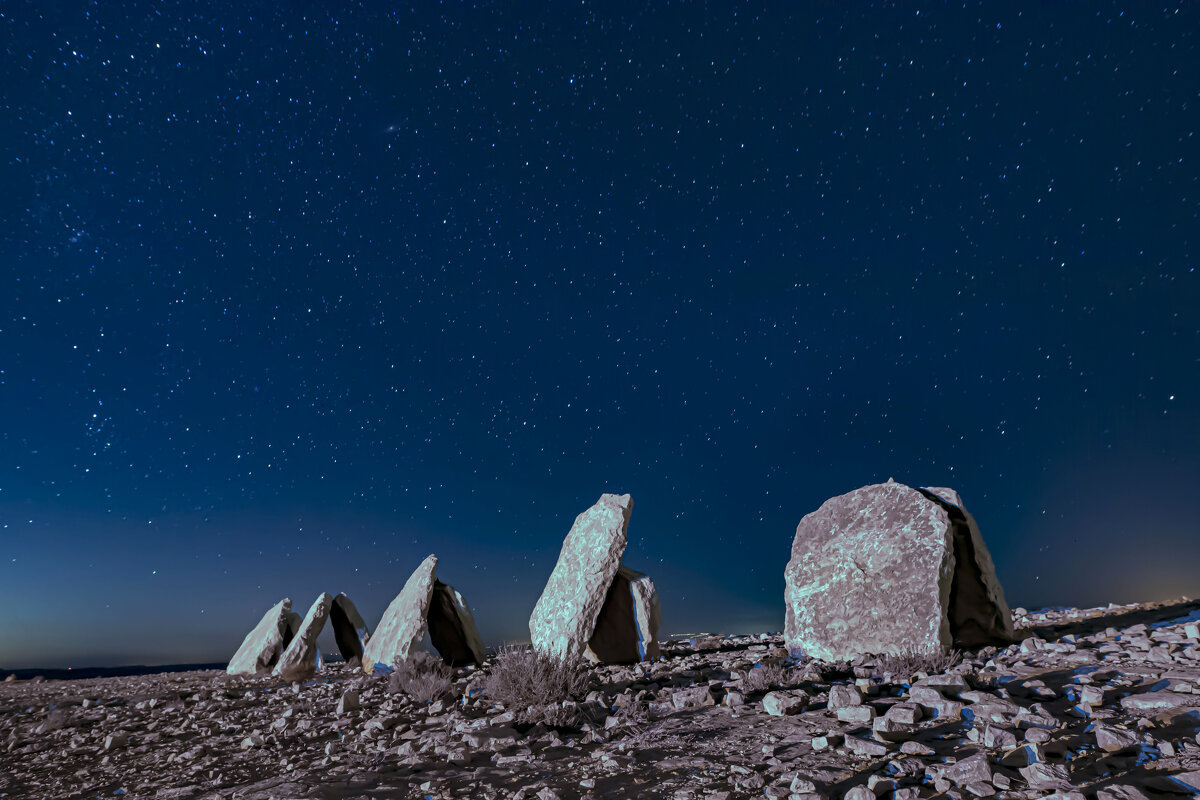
(521, 677)
(765, 676)
(908, 661)
(423, 677)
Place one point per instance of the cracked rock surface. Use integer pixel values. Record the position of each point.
(1095, 704)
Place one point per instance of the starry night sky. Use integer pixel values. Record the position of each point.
(290, 298)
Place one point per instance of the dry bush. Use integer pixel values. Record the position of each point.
(908, 661)
(521, 677)
(761, 678)
(423, 677)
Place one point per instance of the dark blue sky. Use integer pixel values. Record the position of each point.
(290, 298)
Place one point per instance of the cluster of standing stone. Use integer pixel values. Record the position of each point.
(284, 644)
(883, 569)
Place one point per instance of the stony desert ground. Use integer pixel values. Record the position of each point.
(1098, 703)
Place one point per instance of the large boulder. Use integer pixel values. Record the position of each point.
(425, 603)
(592, 605)
(349, 630)
(887, 568)
(262, 646)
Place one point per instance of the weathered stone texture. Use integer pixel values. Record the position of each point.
(564, 618)
(262, 646)
(403, 624)
(887, 568)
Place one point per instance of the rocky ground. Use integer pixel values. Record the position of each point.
(1099, 703)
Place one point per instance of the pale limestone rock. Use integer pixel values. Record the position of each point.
(785, 703)
(349, 630)
(592, 605)
(262, 646)
(403, 623)
(887, 568)
(565, 615)
(303, 657)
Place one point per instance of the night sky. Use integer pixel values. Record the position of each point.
(292, 297)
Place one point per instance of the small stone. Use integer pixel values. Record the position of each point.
(844, 696)
(693, 697)
(348, 702)
(1115, 740)
(906, 713)
(1120, 791)
(1022, 756)
(1159, 701)
(859, 793)
(1046, 776)
(802, 785)
(913, 748)
(865, 747)
(973, 769)
(859, 715)
(785, 703)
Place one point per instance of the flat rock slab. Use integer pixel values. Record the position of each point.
(404, 622)
(564, 618)
(302, 657)
(262, 646)
(888, 568)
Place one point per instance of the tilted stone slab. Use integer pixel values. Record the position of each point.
(452, 627)
(565, 615)
(262, 646)
(403, 624)
(627, 625)
(980, 611)
(349, 630)
(887, 568)
(302, 657)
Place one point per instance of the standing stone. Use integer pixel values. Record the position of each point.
(565, 615)
(349, 630)
(887, 568)
(261, 648)
(403, 624)
(303, 657)
(452, 627)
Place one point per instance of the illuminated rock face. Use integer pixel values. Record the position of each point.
(592, 605)
(302, 658)
(888, 567)
(349, 630)
(403, 624)
(261, 648)
(425, 603)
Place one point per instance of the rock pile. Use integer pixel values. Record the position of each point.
(425, 603)
(592, 605)
(1101, 704)
(889, 568)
